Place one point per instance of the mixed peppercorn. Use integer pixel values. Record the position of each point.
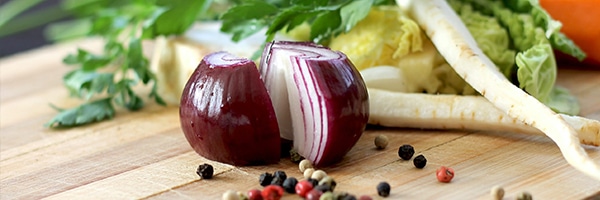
(317, 185)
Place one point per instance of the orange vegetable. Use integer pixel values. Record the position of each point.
(580, 19)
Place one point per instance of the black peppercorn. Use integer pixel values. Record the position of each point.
(280, 174)
(406, 152)
(265, 179)
(313, 181)
(205, 171)
(383, 189)
(277, 181)
(420, 161)
(289, 185)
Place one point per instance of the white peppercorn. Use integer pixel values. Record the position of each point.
(305, 164)
(318, 175)
(497, 192)
(381, 141)
(308, 173)
(230, 195)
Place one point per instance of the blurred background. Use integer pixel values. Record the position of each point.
(24, 33)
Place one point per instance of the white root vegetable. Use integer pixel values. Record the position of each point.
(427, 111)
(457, 46)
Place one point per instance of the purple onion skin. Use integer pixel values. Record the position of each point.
(347, 100)
(226, 113)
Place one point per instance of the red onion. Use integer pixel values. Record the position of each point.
(321, 93)
(308, 93)
(226, 113)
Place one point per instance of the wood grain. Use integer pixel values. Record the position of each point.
(144, 155)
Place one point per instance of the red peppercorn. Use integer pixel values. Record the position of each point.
(444, 174)
(365, 197)
(272, 192)
(254, 194)
(314, 195)
(303, 187)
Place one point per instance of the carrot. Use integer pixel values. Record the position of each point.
(580, 23)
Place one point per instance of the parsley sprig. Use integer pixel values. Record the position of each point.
(327, 18)
(108, 78)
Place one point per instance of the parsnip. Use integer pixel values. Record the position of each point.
(457, 46)
(447, 111)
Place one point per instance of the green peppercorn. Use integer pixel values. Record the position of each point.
(420, 161)
(295, 157)
(406, 151)
(383, 189)
(327, 196)
(524, 196)
(381, 141)
(205, 171)
(327, 180)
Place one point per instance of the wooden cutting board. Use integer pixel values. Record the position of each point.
(144, 155)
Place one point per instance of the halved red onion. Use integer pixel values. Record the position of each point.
(321, 93)
(226, 113)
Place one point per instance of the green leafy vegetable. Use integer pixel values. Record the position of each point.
(327, 18)
(532, 34)
(111, 75)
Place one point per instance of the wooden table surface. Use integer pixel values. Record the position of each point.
(144, 154)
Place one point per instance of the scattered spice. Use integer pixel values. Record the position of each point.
(329, 182)
(277, 180)
(265, 179)
(420, 161)
(305, 164)
(241, 195)
(381, 141)
(323, 188)
(280, 174)
(295, 157)
(406, 151)
(497, 192)
(254, 194)
(365, 197)
(444, 174)
(230, 195)
(205, 171)
(308, 173)
(314, 195)
(289, 185)
(383, 189)
(313, 181)
(303, 187)
(318, 175)
(524, 196)
(272, 192)
(327, 196)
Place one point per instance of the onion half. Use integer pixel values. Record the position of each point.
(319, 97)
(226, 113)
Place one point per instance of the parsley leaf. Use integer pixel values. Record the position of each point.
(86, 113)
(109, 77)
(327, 18)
